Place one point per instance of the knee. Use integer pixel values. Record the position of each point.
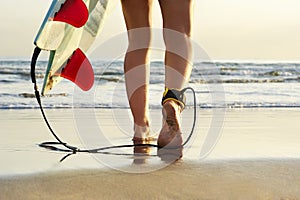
(139, 38)
(177, 41)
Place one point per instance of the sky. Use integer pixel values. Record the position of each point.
(225, 29)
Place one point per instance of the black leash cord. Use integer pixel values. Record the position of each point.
(195, 114)
(73, 149)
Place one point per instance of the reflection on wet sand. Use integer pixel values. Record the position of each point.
(170, 155)
(166, 154)
(141, 153)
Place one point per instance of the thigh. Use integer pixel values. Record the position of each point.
(177, 15)
(137, 13)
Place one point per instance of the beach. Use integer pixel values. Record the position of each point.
(245, 143)
(256, 156)
(240, 125)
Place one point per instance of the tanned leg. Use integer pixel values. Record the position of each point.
(177, 17)
(137, 15)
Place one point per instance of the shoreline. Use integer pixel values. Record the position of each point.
(229, 108)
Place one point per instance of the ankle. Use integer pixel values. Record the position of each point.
(144, 122)
(175, 96)
(172, 104)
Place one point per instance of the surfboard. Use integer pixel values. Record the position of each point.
(68, 31)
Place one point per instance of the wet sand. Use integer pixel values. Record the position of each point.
(257, 156)
(255, 179)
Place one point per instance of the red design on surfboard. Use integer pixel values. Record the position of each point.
(79, 70)
(73, 12)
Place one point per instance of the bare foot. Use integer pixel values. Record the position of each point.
(170, 133)
(141, 133)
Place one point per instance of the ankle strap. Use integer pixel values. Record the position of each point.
(174, 95)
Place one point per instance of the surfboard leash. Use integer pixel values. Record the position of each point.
(72, 149)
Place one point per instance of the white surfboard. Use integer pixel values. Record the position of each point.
(68, 31)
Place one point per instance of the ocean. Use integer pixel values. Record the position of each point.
(229, 84)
